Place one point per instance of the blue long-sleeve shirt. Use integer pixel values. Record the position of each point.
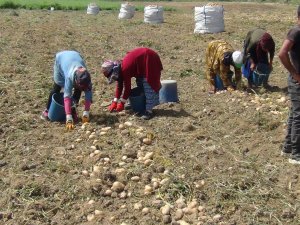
(66, 63)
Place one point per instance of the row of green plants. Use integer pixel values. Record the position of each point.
(104, 5)
(58, 5)
(67, 4)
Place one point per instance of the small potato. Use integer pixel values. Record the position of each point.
(147, 141)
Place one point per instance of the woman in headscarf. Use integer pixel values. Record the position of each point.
(142, 63)
(219, 57)
(70, 72)
(259, 48)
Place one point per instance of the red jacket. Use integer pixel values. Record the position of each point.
(140, 62)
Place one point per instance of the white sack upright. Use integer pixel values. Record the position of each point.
(153, 14)
(92, 9)
(209, 19)
(126, 11)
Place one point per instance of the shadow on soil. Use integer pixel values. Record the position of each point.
(171, 113)
(105, 119)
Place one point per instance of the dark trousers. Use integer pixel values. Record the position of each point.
(139, 83)
(292, 139)
(56, 89)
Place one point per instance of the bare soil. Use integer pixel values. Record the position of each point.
(218, 154)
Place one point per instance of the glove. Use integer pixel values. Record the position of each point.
(230, 89)
(69, 123)
(85, 117)
(120, 106)
(239, 85)
(113, 106)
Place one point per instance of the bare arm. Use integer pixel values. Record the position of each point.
(285, 59)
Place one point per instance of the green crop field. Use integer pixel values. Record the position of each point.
(105, 5)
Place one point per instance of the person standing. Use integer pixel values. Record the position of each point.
(145, 65)
(289, 56)
(70, 73)
(219, 57)
(259, 49)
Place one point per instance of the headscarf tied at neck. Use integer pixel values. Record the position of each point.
(111, 70)
(266, 42)
(83, 79)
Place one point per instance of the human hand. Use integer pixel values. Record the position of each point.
(113, 106)
(271, 67)
(296, 77)
(85, 117)
(252, 67)
(212, 89)
(120, 106)
(69, 123)
(230, 89)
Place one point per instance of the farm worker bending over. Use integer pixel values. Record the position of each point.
(70, 72)
(142, 63)
(257, 46)
(219, 57)
(289, 55)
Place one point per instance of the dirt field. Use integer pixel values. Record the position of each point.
(212, 159)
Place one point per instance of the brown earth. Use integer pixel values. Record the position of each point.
(218, 154)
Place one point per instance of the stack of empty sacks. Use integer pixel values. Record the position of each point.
(209, 19)
(153, 14)
(92, 9)
(126, 11)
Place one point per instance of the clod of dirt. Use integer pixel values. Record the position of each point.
(157, 203)
(178, 214)
(13, 13)
(146, 177)
(167, 219)
(3, 163)
(130, 153)
(188, 127)
(28, 167)
(123, 195)
(287, 214)
(138, 206)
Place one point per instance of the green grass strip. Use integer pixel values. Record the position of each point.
(68, 4)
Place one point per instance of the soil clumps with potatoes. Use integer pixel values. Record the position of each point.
(209, 159)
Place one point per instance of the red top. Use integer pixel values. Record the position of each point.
(140, 62)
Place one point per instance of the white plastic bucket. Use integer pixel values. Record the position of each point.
(93, 9)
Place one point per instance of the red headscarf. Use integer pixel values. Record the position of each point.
(266, 42)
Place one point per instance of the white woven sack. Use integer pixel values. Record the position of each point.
(126, 11)
(92, 9)
(153, 14)
(209, 19)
